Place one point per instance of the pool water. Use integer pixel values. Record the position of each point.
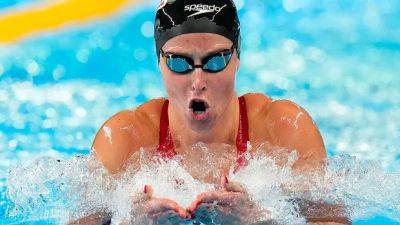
(337, 59)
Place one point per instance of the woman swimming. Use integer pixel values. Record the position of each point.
(198, 47)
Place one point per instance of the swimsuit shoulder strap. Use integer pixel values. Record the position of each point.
(242, 137)
(165, 143)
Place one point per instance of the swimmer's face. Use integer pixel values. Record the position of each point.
(215, 89)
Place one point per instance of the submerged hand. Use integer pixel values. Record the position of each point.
(230, 204)
(150, 210)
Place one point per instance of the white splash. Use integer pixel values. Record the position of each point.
(74, 188)
(108, 133)
(297, 118)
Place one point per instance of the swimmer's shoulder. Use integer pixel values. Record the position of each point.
(126, 132)
(152, 111)
(256, 103)
(285, 124)
(260, 105)
(262, 109)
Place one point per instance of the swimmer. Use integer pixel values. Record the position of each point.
(198, 49)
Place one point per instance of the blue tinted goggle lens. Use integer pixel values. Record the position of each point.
(217, 63)
(212, 64)
(178, 65)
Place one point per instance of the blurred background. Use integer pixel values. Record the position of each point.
(68, 65)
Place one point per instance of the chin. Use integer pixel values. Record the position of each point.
(201, 125)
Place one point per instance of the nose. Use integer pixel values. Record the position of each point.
(199, 84)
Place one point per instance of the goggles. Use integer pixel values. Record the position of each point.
(213, 63)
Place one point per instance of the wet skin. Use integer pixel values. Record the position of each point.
(279, 123)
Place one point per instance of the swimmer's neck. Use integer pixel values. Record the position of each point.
(224, 129)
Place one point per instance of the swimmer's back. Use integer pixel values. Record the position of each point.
(125, 133)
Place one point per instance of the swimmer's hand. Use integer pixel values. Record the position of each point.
(150, 210)
(228, 204)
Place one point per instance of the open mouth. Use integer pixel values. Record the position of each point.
(198, 106)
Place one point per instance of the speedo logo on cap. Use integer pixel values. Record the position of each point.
(201, 9)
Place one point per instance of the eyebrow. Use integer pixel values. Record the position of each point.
(207, 54)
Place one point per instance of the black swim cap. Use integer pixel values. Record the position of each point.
(176, 17)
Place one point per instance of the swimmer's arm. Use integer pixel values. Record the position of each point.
(322, 213)
(95, 219)
(328, 223)
(292, 127)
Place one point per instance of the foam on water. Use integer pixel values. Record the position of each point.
(361, 186)
(60, 189)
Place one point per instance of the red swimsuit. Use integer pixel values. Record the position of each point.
(166, 146)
